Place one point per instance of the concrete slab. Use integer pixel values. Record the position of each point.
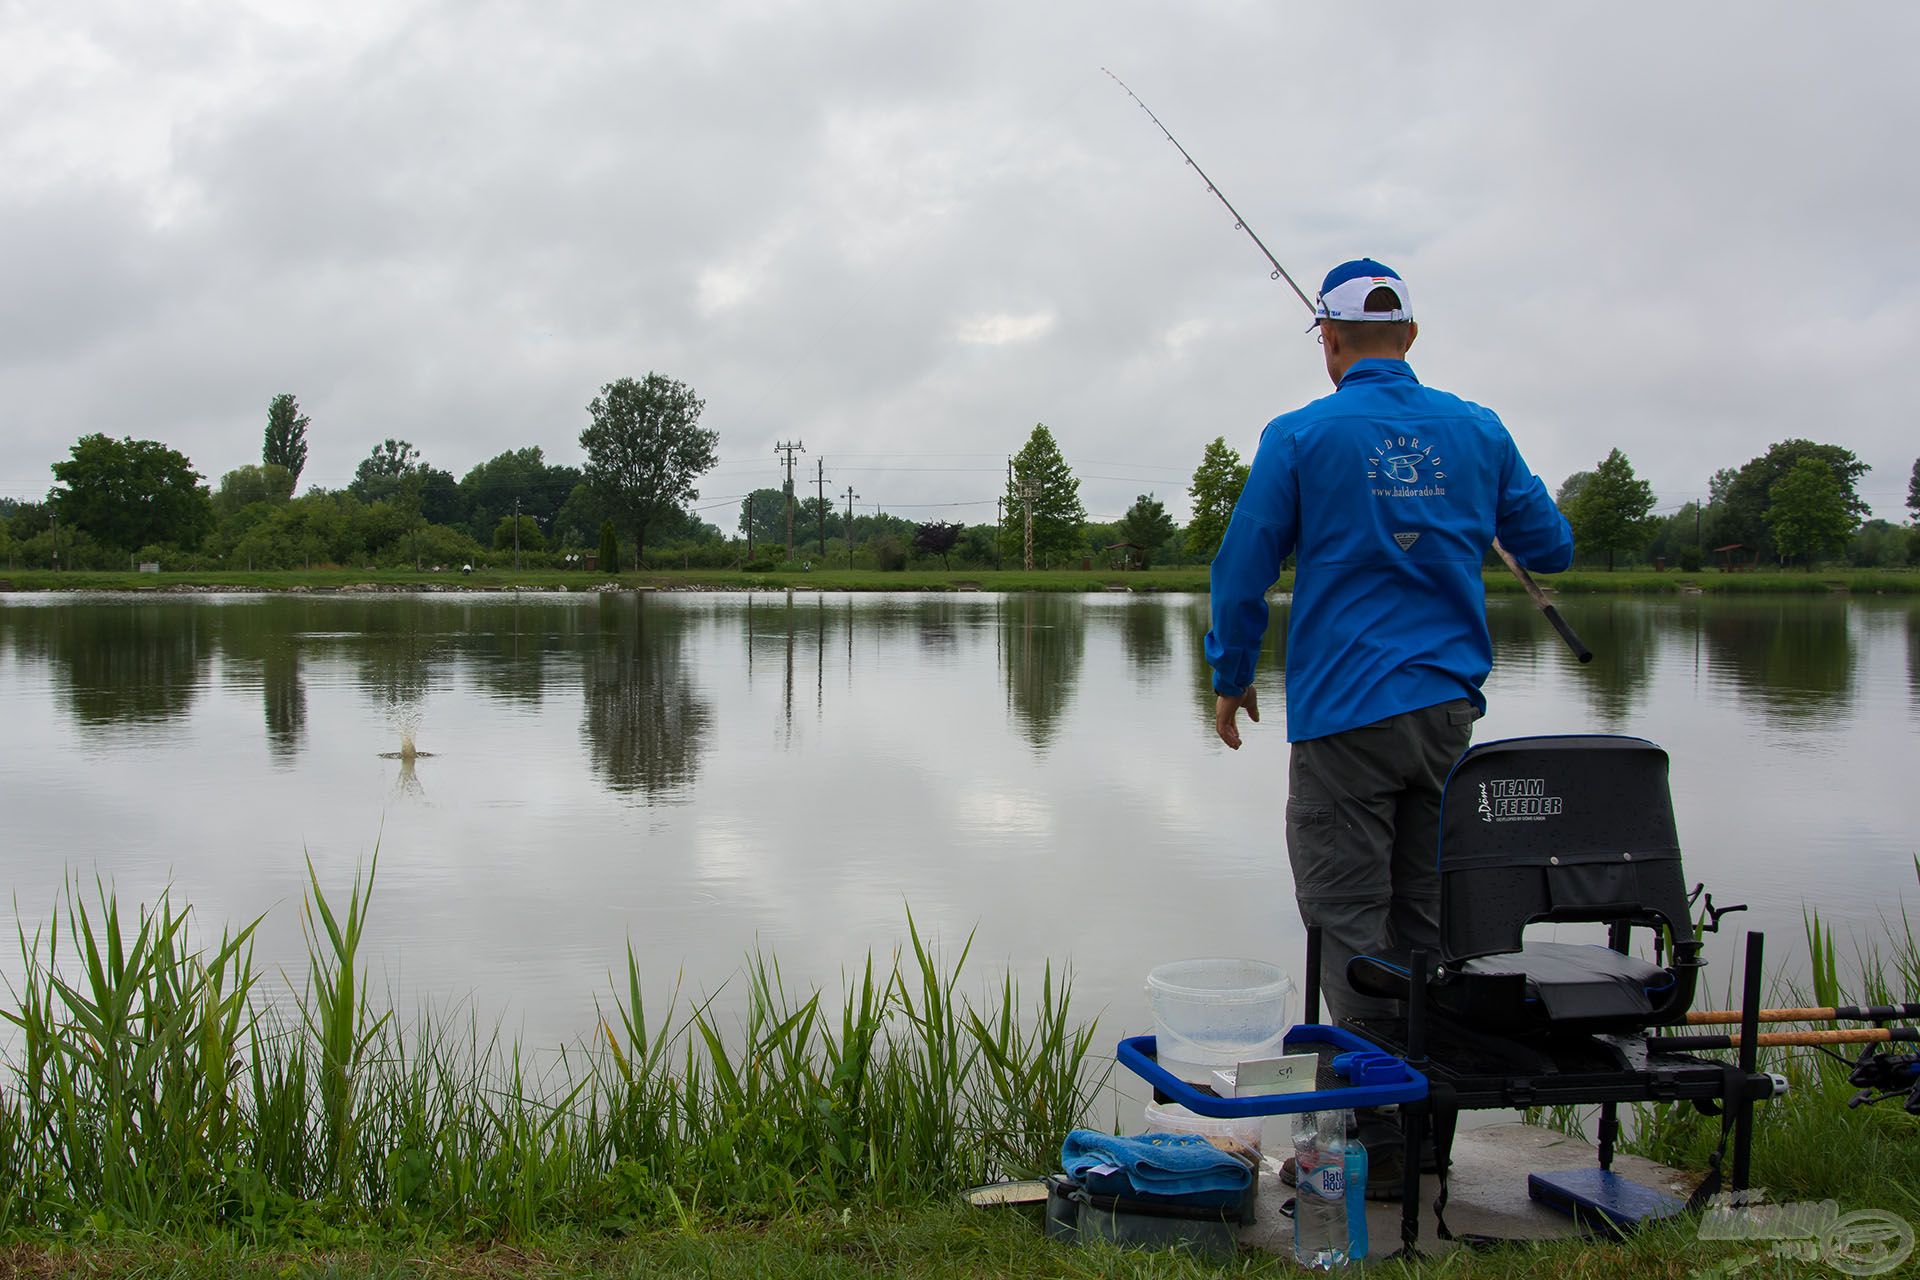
(1487, 1191)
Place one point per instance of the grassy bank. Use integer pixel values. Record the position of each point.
(156, 1088)
(162, 1114)
(934, 1243)
(1188, 579)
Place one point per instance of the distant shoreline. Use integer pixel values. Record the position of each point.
(1182, 580)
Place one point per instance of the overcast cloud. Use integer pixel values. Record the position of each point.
(1685, 231)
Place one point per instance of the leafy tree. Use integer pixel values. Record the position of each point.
(490, 490)
(1043, 483)
(577, 523)
(1807, 512)
(380, 472)
(1676, 538)
(1147, 525)
(977, 545)
(937, 539)
(1217, 483)
(1570, 489)
(1720, 484)
(1610, 510)
(244, 486)
(531, 538)
(763, 517)
(609, 547)
(1913, 493)
(645, 448)
(1743, 518)
(814, 520)
(129, 493)
(440, 499)
(1880, 544)
(286, 440)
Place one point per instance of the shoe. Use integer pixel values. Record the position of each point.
(1386, 1174)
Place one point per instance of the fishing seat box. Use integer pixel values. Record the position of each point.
(1075, 1214)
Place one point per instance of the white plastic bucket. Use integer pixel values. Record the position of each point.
(1217, 1013)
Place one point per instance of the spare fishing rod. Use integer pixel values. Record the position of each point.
(1532, 588)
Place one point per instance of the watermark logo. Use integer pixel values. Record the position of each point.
(1865, 1242)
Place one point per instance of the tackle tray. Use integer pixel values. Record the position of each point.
(1385, 1078)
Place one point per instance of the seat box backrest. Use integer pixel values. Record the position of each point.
(1557, 828)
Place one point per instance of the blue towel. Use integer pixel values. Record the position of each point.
(1153, 1164)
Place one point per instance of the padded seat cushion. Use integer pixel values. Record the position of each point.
(1577, 982)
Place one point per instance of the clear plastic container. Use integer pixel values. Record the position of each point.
(1171, 1117)
(1217, 1013)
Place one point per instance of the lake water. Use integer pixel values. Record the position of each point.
(698, 774)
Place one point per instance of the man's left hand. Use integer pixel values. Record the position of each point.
(1226, 711)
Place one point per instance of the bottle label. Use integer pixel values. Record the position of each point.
(1329, 1182)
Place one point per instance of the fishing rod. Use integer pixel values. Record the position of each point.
(1733, 1040)
(1527, 583)
(1837, 1013)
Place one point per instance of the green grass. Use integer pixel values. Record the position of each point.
(935, 1241)
(160, 1115)
(1190, 579)
(155, 1089)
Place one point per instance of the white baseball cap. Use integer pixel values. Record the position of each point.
(1343, 294)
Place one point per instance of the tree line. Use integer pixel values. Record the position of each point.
(633, 501)
(1795, 505)
(117, 501)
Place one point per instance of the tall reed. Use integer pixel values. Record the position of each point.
(152, 1085)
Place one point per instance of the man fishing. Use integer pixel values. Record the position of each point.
(1389, 492)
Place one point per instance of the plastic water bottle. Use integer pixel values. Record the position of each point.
(1356, 1200)
(1320, 1189)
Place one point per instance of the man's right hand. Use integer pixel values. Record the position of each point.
(1225, 711)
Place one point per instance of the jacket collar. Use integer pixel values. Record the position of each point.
(1377, 369)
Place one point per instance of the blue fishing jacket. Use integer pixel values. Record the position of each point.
(1390, 492)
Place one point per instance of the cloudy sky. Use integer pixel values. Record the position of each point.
(904, 233)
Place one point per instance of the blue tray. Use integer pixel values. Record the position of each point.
(1397, 1082)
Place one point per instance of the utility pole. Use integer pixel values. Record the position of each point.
(789, 450)
(820, 486)
(997, 558)
(516, 534)
(851, 495)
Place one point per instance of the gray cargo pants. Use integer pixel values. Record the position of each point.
(1363, 828)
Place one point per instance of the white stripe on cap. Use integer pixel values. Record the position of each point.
(1348, 300)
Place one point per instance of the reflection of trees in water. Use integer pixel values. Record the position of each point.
(1624, 636)
(1269, 673)
(938, 633)
(1523, 639)
(120, 663)
(1143, 637)
(263, 639)
(395, 649)
(1913, 655)
(1043, 639)
(645, 722)
(1795, 656)
(509, 641)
